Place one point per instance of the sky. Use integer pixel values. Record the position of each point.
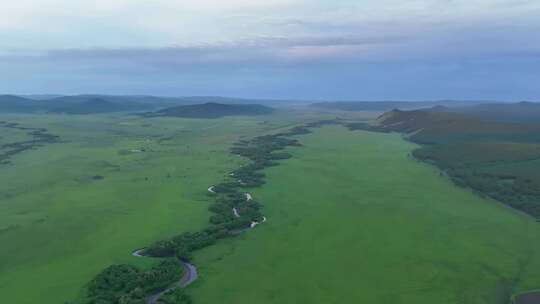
(286, 49)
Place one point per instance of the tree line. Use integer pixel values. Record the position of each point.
(125, 284)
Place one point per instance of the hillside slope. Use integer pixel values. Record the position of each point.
(521, 112)
(81, 104)
(389, 105)
(438, 127)
(92, 106)
(212, 110)
(17, 104)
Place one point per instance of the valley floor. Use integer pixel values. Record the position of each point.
(114, 183)
(353, 219)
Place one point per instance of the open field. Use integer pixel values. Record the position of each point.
(353, 219)
(113, 184)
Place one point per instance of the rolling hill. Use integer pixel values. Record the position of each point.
(99, 103)
(388, 105)
(431, 127)
(93, 106)
(521, 112)
(17, 104)
(212, 110)
(80, 104)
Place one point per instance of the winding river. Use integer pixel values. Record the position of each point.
(190, 276)
(190, 271)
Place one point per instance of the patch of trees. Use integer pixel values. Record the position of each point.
(263, 152)
(38, 137)
(182, 245)
(126, 284)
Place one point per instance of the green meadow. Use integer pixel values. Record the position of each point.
(353, 219)
(113, 184)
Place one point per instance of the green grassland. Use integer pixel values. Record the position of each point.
(113, 184)
(352, 218)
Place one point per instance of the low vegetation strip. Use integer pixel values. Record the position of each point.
(234, 211)
(38, 137)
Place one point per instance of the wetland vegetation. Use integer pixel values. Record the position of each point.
(113, 183)
(353, 234)
(234, 212)
(32, 138)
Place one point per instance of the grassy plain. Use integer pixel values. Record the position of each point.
(352, 218)
(59, 225)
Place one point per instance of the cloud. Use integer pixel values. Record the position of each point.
(297, 47)
(255, 51)
(46, 24)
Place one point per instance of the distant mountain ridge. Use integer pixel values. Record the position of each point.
(428, 127)
(82, 104)
(92, 106)
(212, 110)
(15, 104)
(520, 112)
(389, 105)
(68, 105)
(523, 112)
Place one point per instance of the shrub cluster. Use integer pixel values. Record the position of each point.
(39, 137)
(126, 284)
(263, 152)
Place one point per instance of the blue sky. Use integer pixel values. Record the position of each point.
(316, 49)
